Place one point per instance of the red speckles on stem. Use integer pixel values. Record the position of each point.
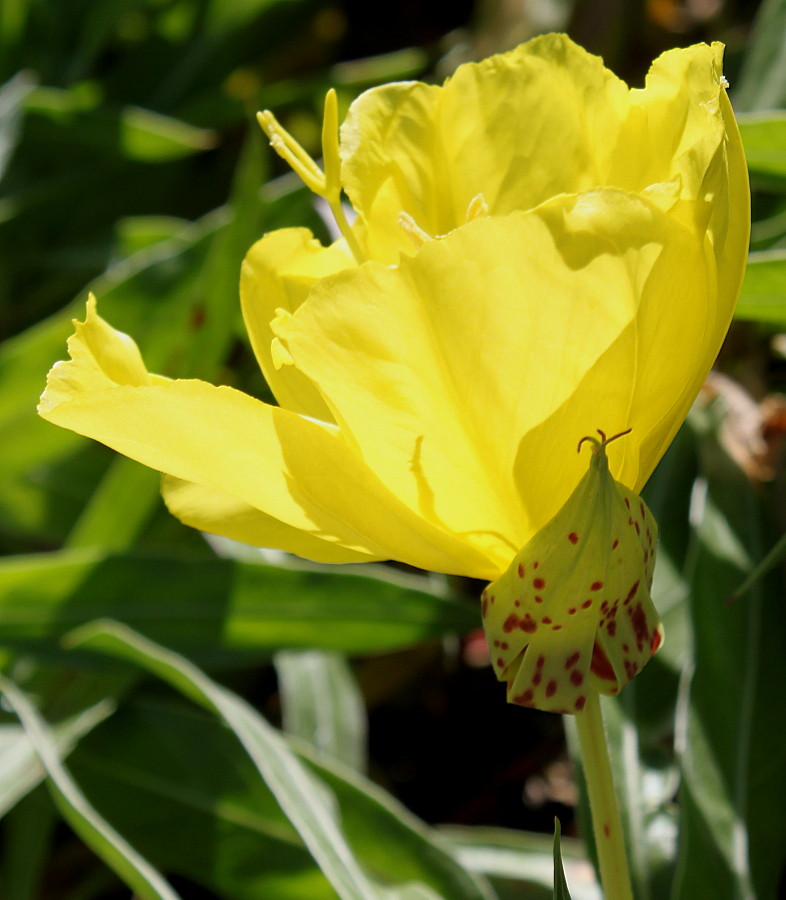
(510, 623)
(611, 628)
(573, 537)
(607, 829)
(521, 570)
(484, 607)
(500, 662)
(537, 678)
(631, 593)
(572, 660)
(538, 598)
(572, 611)
(576, 678)
(600, 665)
(538, 584)
(535, 564)
(580, 703)
(615, 544)
(541, 662)
(596, 585)
(641, 509)
(556, 627)
(551, 688)
(546, 620)
(627, 503)
(586, 604)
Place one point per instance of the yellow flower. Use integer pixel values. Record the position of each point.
(539, 252)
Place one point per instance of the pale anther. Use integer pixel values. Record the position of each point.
(477, 207)
(413, 230)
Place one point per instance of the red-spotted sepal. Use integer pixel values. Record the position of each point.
(573, 611)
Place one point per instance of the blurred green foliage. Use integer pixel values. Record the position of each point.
(130, 165)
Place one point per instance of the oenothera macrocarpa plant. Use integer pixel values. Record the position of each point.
(541, 258)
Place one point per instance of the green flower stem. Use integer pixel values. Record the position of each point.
(606, 821)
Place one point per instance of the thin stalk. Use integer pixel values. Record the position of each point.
(344, 227)
(606, 822)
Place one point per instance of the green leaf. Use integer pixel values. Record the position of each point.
(305, 799)
(220, 309)
(763, 296)
(221, 612)
(12, 98)
(233, 838)
(513, 860)
(521, 863)
(764, 139)
(49, 473)
(148, 136)
(141, 772)
(28, 832)
(322, 703)
(301, 798)
(560, 884)
(762, 81)
(126, 486)
(20, 768)
(91, 827)
(142, 135)
(730, 721)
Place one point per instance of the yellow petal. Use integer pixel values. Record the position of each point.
(440, 370)
(102, 357)
(269, 458)
(217, 512)
(519, 128)
(573, 611)
(683, 124)
(277, 273)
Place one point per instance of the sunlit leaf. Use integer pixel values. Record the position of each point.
(219, 611)
(83, 818)
(733, 794)
(322, 704)
(233, 837)
(764, 139)
(20, 769)
(305, 799)
(763, 297)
